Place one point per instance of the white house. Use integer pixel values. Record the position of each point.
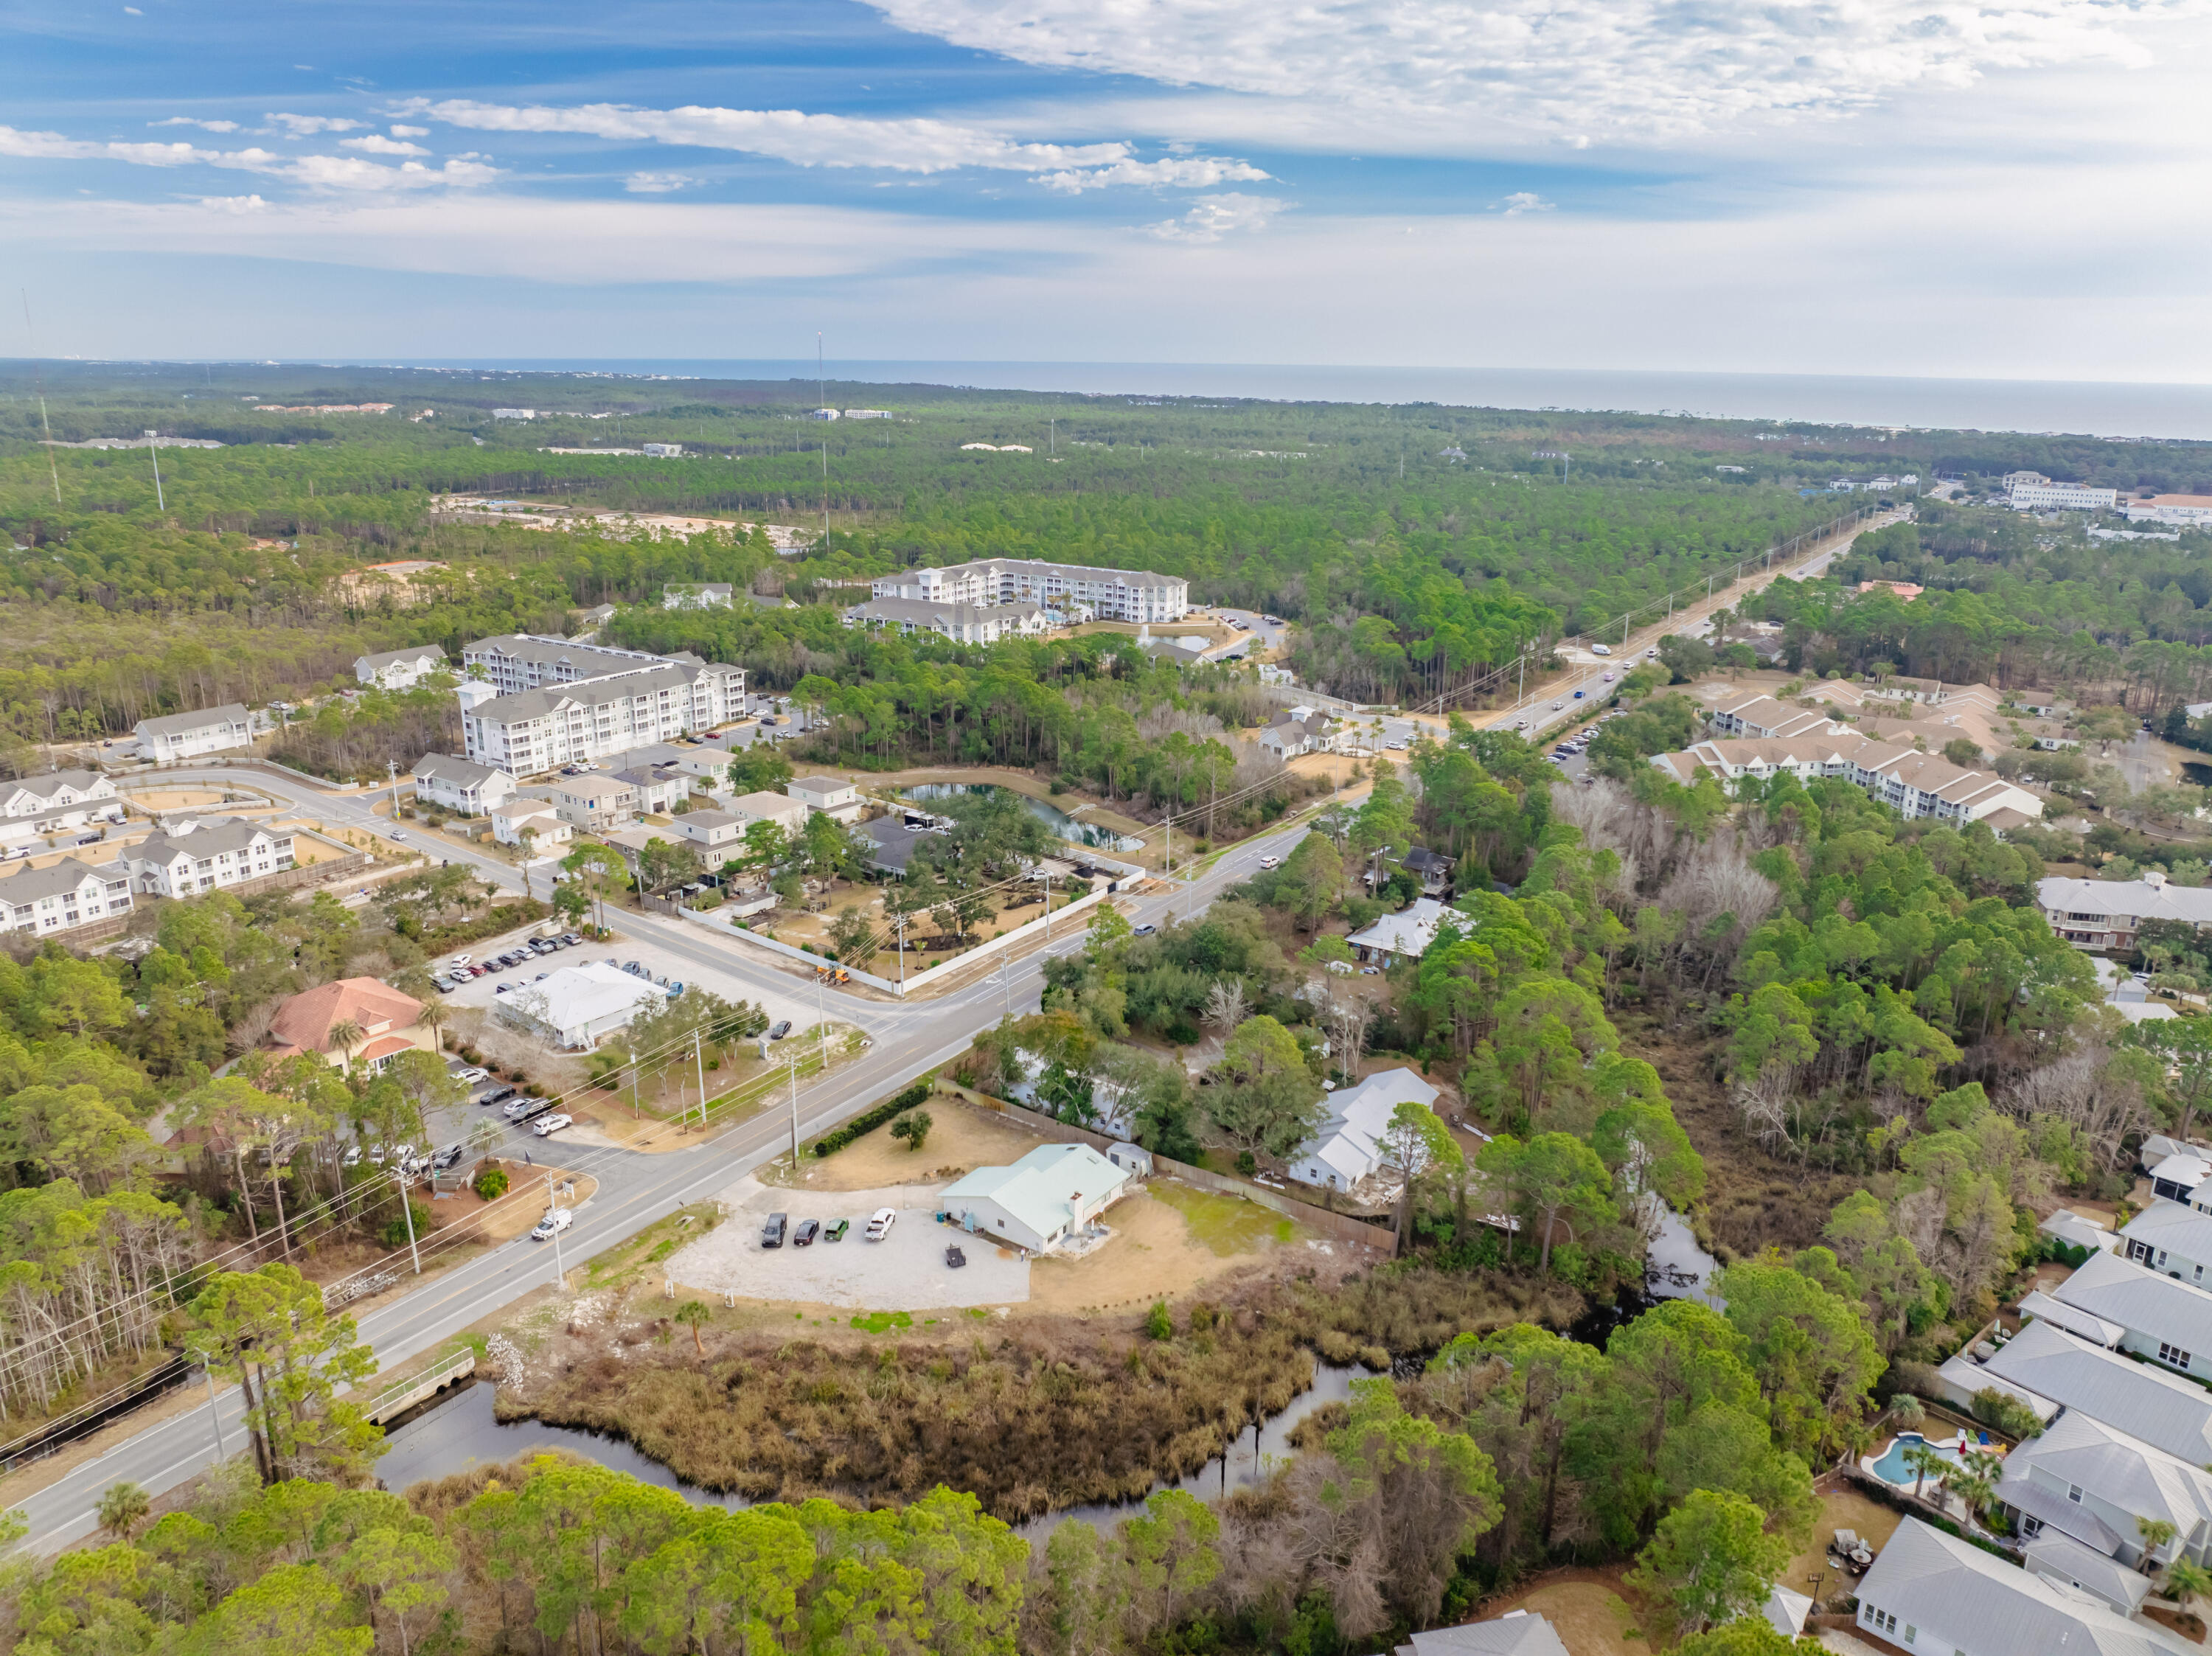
(2165, 1320)
(1931, 1591)
(762, 805)
(184, 735)
(1041, 1200)
(1349, 1147)
(2107, 913)
(461, 784)
(2071, 1228)
(67, 894)
(547, 826)
(202, 853)
(2050, 1370)
(594, 802)
(833, 798)
(56, 790)
(1403, 936)
(396, 669)
(696, 595)
(578, 1006)
(709, 830)
(2099, 1486)
(2170, 1238)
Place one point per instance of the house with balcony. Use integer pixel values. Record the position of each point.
(594, 802)
(199, 854)
(43, 901)
(2099, 1487)
(176, 737)
(461, 786)
(400, 670)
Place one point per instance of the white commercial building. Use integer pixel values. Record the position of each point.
(1112, 594)
(185, 736)
(578, 1006)
(2031, 491)
(203, 853)
(1041, 1200)
(2183, 511)
(67, 894)
(397, 669)
(559, 703)
(963, 623)
(1914, 783)
(1349, 1147)
(461, 784)
(1935, 1593)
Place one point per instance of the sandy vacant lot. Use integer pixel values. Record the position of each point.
(960, 1139)
(1585, 1608)
(1168, 1240)
(1842, 1508)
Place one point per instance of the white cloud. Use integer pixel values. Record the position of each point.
(916, 144)
(377, 144)
(1524, 201)
(655, 184)
(204, 126)
(1216, 217)
(1628, 70)
(306, 126)
(400, 131)
(319, 171)
(133, 11)
(234, 203)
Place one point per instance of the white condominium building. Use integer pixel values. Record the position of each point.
(564, 703)
(2031, 491)
(964, 624)
(1112, 594)
(1914, 783)
(202, 854)
(69, 894)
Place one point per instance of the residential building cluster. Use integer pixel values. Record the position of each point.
(36, 806)
(190, 857)
(174, 737)
(961, 623)
(552, 702)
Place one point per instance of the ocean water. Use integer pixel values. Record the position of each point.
(2106, 408)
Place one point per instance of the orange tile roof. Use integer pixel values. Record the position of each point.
(305, 1020)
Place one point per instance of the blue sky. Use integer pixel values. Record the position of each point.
(1902, 187)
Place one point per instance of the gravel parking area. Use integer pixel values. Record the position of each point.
(905, 1272)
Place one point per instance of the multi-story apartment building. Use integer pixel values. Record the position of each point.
(2108, 913)
(400, 670)
(208, 852)
(41, 795)
(562, 703)
(185, 736)
(1110, 594)
(69, 894)
(963, 623)
(1914, 783)
(2031, 491)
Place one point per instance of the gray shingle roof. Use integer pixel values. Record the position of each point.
(231, 712)
(68, 875)
(2138, 900)
(2148, 1305)
(2163, 1409)
(586, 692)
(461, 773)
(45, 786)
(213, 835)
(1949, 1587)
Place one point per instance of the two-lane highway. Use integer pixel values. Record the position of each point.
(633, 1189)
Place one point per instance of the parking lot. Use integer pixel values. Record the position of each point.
(905, 1272)
(797, 1004)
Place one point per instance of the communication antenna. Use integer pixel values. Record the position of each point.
(37, 379)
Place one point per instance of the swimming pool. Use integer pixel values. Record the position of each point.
(1892, 1468)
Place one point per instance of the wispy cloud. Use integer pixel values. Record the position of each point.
(1216, 217)
(377, 144)
(1523, 201)
(318, 172)
(1630, 70)
(916, 144)
(400, 131)
(656, 183)
(306, 126)
(204, 126)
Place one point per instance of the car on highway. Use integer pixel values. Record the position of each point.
(835, 1229)
(551, 1124)
(1606, 675)
(553, 1224)
(394, 833)
(1556, 705)
(880, 1222)
(1270, 862)
(1397, 746)
(1144, 931)
(1579, 695)
(807, 1231)
(779, 1029)
(773, 1229)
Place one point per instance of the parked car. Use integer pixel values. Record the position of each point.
(462, 960)
(807, 1231)
(501, 989)
(880, 1222)
(772, 1232)
(446, 1158)
(779, 1029)
(442, 983)
(521, 1109)
(676, 989)
(472, 1072)
(553, 1124)
(552, 1224)
(571, 939)
(835, 1229)
(1601, 649)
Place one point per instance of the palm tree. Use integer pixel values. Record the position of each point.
(435, 1016)
(693, 1313)
(123, 1508)
(342, 1035)
(1922, 1458)
(1908, 1411)
(2156, 1532)
(2186, 1583)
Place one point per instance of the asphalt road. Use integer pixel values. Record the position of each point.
(633, 1189)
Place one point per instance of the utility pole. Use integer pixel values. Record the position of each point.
(391, 770)
(159, 499)
(901, 952)
(552, 1207)
(214, 1415)
(1047, 907)
(794, 1115)
(699, 1066)
(407, 1208)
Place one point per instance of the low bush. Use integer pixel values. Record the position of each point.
(868, 1120)
(491, 1184)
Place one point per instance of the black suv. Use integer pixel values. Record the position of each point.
(772, 1232)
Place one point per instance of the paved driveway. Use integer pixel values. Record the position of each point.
(905, 1272)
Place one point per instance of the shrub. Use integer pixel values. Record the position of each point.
(394, 1233)
(472, 1055)
(868, 1120)
(491, 1184)
(1157, 1324)
(913, 1128)
(534, 1090)
(1247, 1163)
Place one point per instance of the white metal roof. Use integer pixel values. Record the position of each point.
(1043, 1188)
(2151, 1306)
(2161, 1409)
